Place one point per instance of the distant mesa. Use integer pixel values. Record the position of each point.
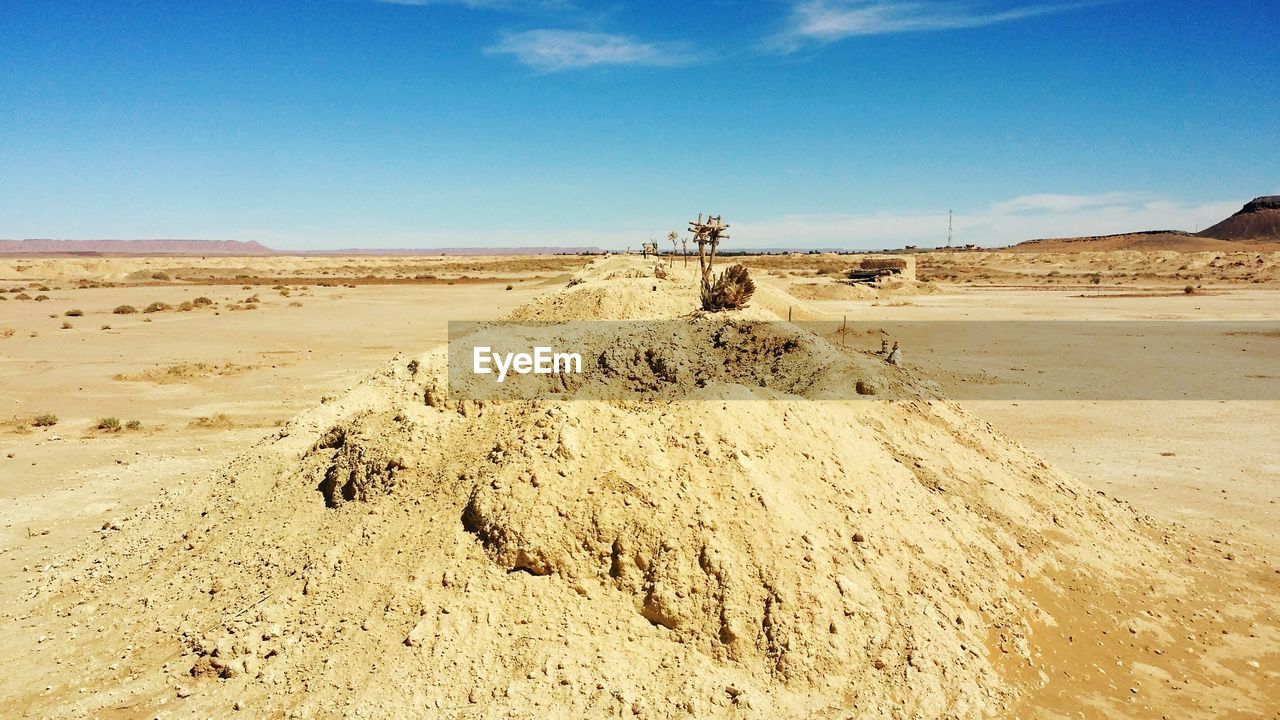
(1259, 219)
(1257, 224)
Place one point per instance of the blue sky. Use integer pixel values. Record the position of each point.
(814, 123)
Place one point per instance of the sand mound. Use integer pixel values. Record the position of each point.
(404, 553)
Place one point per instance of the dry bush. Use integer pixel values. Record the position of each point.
(6, 332)
(731, 290)
(156, 307)
(106, 327)
(41, 298)
(74, 313)
(160, 276)
(133, 425)
(202, 300)
(22, 296)
(125, 310)
(66, 325)
(108, 424)
(186, 306)
(221, 420)
(45, 420)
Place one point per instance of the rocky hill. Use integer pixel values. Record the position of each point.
(1259, 219)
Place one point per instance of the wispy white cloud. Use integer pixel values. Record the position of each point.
(555, 50)
(1000, 223)
(825, 21)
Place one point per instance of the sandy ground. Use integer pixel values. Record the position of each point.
(1177, 627)
(1205, 462)
(259, 368)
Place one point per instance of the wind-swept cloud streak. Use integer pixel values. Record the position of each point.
(556, 50)
(826, 21)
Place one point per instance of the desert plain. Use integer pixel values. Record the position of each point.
(143, 575)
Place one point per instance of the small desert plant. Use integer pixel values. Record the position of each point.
(202, 300)
(133, 425)
(187, 306)
(221, 420)
(66, 325)
(730, 291)
(511, 287)
(22, 296)
(125, 310)
(106, 327)
(41, 298)
(1190, 290)
(156, 307)
(108, 424)
(6, 332)
(45, 420)
(74, 313)
(295, 303)
(734, 287)
(160, 276)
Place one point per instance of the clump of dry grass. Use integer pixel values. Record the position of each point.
(66, 325)
(6, 332)
(133, 425)
(156, 307)
(74, 313)
(108, 424)
(41, 298)
(201, 301)
(22, 296)
(214, 422)
(125, 310)
(45, 420)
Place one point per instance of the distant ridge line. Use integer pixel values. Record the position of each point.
(232, 248)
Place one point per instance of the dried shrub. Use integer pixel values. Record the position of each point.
(74, 313)
(108, 424)
(133, 425)
(160, 276)
(202, 300)
(156, 307)
(731, 290)
(45, 420)
(125, 310)
(66, 325)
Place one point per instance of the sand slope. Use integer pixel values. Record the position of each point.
(399, 553)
